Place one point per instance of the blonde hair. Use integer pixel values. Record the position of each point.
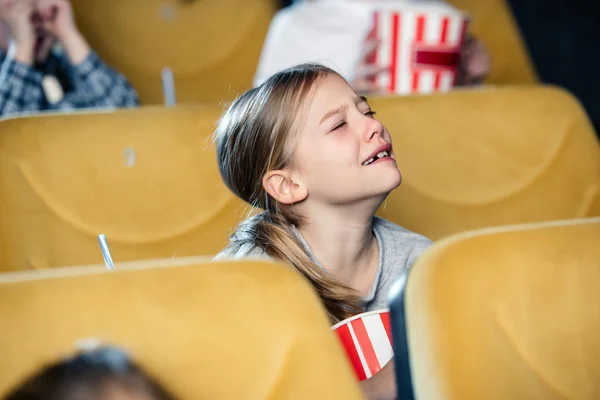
(253, 137)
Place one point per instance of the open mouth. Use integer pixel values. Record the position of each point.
(378, 156)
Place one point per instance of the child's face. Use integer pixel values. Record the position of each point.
(335, 146)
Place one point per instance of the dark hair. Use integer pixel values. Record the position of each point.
(89, 376)
(255, 136)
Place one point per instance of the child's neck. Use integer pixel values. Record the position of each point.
(345, 245)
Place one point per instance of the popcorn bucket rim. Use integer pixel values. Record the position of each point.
(358, 316)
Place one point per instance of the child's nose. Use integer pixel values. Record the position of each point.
(373, 129)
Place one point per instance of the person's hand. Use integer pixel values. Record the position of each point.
(59, 21)
(381, 386)
(43, 47)
(364, 77)
(475, 62)
(58, 18)
(17, 16)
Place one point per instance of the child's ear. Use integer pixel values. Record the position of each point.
(283, 188)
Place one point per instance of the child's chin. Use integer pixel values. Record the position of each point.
(395, 181)
(390, 186)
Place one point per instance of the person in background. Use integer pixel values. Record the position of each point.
(46, 63)
(475, 61)
(106, 373)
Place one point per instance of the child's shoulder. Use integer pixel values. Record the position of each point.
(246, 251)
(392, 231)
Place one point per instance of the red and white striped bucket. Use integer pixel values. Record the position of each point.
(421, 42)
(367, 339)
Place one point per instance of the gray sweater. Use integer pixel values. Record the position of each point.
(398, 250)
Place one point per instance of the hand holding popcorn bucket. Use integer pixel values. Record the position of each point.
(421, 42)
(367, 340)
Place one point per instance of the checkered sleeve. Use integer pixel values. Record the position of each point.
(21, 89)
(96, 85)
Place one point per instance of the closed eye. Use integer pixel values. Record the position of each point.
(370, 113)
(338, 126)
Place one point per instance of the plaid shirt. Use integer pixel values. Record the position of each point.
(89, 84)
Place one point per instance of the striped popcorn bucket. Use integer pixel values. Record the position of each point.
(367, 339)
(421, 42)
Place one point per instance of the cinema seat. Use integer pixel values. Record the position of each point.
(493, 23)
(478, 158)
(507, 313)
(146, 178)
(212, 46)
(230, 330)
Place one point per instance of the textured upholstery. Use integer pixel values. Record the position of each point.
(212, 46)
(508, 313)
(229, 330)
(470, 159)
(480, 158)
(147, 178)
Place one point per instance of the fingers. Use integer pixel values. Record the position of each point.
(366, 86)
(370, 88)
(45, 9)
(476, 63)
(21, 6)
(44, 48)
(17, 10)
(5, 4)
(371, 71)
(370, 46)
(48, 9)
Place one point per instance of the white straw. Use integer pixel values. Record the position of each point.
(106, 252)
(168, 87)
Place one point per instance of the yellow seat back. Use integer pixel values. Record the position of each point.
(473, 159)
(147, 178)
(212, 46)
(230, 330)
(493, 23)
(508, 313)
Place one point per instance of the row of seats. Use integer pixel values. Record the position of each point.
(213, 46)
(479, 158)
(524, 325)
(229, 330)
(147, 178)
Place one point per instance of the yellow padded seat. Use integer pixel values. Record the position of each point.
(147, 178)
(229, 330)
(508, 313)
(212, 46)
(479, 158)
(493, 23)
